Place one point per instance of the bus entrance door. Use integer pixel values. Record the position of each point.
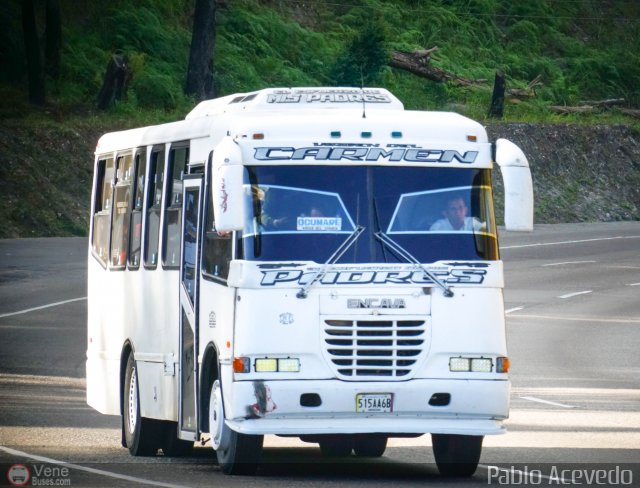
(189, 270)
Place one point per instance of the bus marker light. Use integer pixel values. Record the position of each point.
(258, 136)
(266, 365)
(502, 365)
(241, 365)
(288, 365)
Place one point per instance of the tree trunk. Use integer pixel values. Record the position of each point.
(53, 37)
(497, 100)
(32, 50)
(116, 81)
(200, 69)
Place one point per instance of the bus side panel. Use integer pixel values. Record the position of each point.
(217, 309)
(105, 339)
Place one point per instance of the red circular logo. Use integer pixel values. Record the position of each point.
(18, 475)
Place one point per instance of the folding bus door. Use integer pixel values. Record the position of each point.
(189, 269)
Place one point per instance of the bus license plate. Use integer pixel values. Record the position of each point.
(374, 402)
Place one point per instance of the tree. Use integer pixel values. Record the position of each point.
(53, 38)
(364, 58)
(200, 69)
(35, 72)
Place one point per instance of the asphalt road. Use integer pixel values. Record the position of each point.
(573, 318)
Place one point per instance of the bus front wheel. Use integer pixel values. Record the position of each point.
(142, 435)
(237, 453)
(457, 455)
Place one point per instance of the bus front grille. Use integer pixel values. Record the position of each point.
(375, 349)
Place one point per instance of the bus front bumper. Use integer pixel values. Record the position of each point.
(476, 407)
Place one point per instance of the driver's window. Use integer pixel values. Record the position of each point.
(459, 209)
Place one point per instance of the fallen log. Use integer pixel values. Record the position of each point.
(582, 109)
(418, 63)
(611, 102)
(515, 95)
(631, 112)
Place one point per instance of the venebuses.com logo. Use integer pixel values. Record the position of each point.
(38, 475)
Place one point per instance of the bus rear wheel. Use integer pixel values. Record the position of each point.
(457, 455)
(142, 435)
(237, 453)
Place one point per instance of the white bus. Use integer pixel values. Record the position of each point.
(310, 262)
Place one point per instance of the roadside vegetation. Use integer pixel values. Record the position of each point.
(578, 52)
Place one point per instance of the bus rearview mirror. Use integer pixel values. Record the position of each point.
(518, 186)
(227, 187)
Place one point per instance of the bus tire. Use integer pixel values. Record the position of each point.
(369, 445)
(338, 445)
(172, 445)
(238, 454)
(142, 435)
(457, 455)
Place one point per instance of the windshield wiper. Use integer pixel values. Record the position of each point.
(402, 252)
(342, 248)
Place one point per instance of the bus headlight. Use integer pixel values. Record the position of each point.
(266, 365)
(458, 365)
(288, 365)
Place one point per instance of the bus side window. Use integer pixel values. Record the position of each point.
(102, 210)
(121, 213)
(154, 206)
(135, 232)
(216, 252)
(178, 160)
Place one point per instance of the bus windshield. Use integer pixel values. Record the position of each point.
(306, 212)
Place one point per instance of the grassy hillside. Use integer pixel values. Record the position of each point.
(580, 49)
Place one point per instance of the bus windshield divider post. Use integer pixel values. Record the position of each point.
(394, 246)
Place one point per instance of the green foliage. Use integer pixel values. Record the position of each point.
(362, 62)
(581, 49)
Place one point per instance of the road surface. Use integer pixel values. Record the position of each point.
(573, 319)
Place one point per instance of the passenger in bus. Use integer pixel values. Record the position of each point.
(455, 217)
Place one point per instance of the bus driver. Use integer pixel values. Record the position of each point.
(455, 217)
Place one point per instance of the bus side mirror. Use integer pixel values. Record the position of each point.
(518, 187)
(227, 178)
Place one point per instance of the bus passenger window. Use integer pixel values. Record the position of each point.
(154, 206)
(178, 160)
(216, 253)
(102, 210)
(135, 233)
(121, 213)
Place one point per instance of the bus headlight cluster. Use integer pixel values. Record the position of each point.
(277, 365)
(474, 365)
